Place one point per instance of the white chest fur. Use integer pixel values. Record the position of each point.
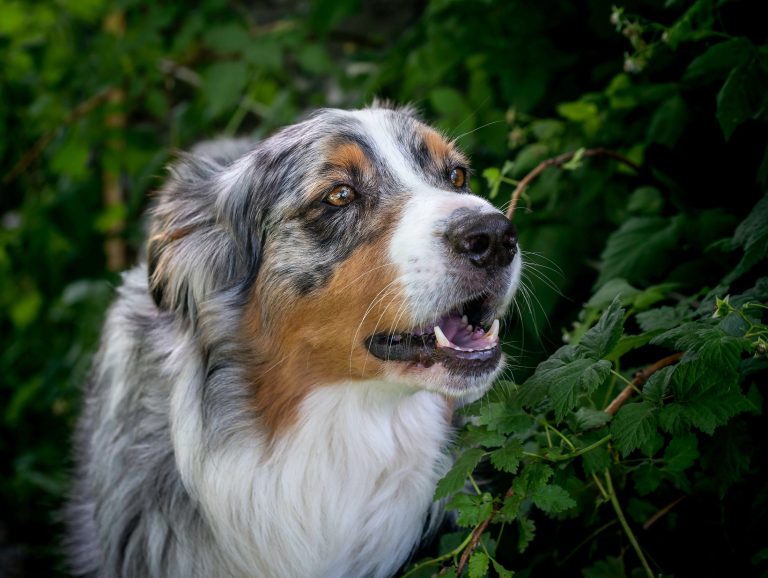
(345, 493)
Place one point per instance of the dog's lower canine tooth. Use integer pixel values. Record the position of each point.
(441, 338)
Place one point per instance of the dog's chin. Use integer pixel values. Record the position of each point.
(464, 386)
(458, 354)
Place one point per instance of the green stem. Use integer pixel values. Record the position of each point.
(571, 455)
(624, 524)
(474, 485)
(625, 380)
(455, 552)
(558, 433)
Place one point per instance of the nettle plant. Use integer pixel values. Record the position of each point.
(588, 426)
(654, 400)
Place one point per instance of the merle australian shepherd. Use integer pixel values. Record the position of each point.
(274, 390)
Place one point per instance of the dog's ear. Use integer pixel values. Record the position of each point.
(194, 251)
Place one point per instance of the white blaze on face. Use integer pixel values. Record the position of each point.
(418, 246)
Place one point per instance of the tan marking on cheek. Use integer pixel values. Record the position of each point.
(321, 340)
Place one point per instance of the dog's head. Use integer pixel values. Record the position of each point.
(347, 247)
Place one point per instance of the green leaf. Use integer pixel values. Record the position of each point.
(507, 459)
(229, 37)
(681, 453)
(662, 318)
(669, 122)
(639, 248)
(633, 425)
(600, 340)
(742, 97)
(564, 376)
(717, 61)
(647, 478)
(527, 533)
(478, 564)
(224, 85)
(752, 235)
(588, 418)
(611, 567)
(455, 479)
(712, 409)
(553, 499)
(615, 288)
(471, 509)
(504, 418)
(501, 571)
(579, 111)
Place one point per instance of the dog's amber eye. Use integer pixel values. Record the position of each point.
(340, 196)
(458, 177)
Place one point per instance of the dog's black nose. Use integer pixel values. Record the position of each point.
(487, 240)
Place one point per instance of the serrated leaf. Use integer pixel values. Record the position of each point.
(553, 499)
(658, 385)
(752, 236)
(609, 568)
(501, 571)
(504, 418)
(527, 533)
(481, 436)
(633, 425)
(600, 340)
(715, 408)
(681, 453)
(509, 508)
(588, 418)
(662, 318)
(596, 461)
(471, 509)
(741, 97)
(533, 477)
(507, 459)
(582, 376)
(647, 478)
(455, 479)
(638, 248)
(718, 60)
(615, 288)
(478, 564)
(564, 377)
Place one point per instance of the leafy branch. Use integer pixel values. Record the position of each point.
(639, 380)
(565, 160)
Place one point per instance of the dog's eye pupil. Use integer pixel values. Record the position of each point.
(340, 196)
(458, 177)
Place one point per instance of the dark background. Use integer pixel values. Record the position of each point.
(96, 96)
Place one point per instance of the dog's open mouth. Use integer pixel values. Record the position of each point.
(457, 340)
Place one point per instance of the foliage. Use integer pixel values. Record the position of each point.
(638, 265)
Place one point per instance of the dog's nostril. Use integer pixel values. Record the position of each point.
(486, 239)
(478, 244)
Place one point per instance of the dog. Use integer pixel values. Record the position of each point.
(274, 388)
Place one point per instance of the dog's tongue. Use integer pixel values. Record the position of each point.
(456, 333)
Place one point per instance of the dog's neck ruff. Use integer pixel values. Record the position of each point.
(345, 492)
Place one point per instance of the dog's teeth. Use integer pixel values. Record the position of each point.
(469, 328)
(441, 339)
(464, 320)
(493, 332)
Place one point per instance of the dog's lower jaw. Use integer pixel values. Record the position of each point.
(346, 491)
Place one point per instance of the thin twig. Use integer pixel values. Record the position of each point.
(661, 513)
(42, 143)
(625, 525)
(639, 380)
(478, 532)
(559, 161)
